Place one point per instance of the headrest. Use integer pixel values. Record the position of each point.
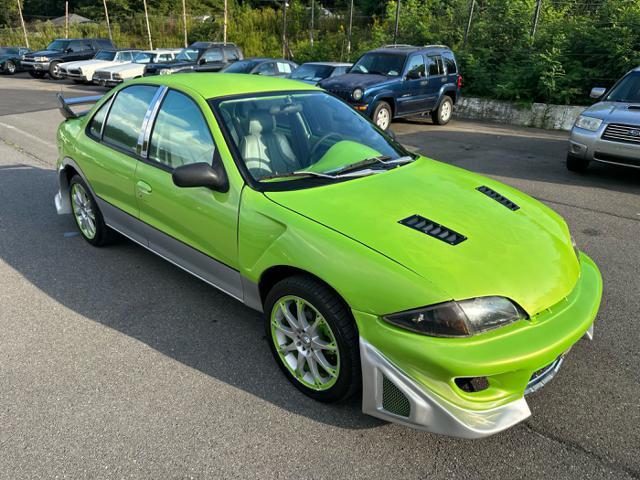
(260, 122)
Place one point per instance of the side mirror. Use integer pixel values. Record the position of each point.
(597, 92)
(200, 175)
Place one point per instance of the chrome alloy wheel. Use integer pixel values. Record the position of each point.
(305, 343)
(83, 211)
(445, 113)
(383, 118)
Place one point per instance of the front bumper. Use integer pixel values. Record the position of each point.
(411, 379)
(35, 66)
(106, 82)
(73, 76)
(590, 146)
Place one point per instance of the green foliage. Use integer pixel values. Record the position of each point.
(578, 43)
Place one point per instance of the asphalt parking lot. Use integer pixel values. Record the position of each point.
(116, 364)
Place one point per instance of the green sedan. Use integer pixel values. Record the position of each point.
(444, 297)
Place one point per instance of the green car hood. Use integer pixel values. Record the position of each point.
(525, 255)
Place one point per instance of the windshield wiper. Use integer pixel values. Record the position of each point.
(299, 173)
(383, 160)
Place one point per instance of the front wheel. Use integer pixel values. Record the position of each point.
(443, 114)
(87, 214)
(382, 115)
(576, 164)
(9, 67)
(313, 338)
(54, 71)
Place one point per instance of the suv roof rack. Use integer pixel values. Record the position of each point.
(398, 45)
(435, 46)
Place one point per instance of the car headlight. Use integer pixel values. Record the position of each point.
(357, 94)
(588, 123)
(165, 71)
(41, 59)
(459, 319)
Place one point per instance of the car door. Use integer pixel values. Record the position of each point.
(195, 228)
(110, 156)
(79, 50)
(436, 79)
(413, 97)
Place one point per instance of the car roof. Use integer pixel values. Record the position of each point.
(329, 64)
(215, 85)
(162, 50)
(406, 49)
(212, 44)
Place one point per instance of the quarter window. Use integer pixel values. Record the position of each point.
(125, 118)
(451, 65)
(284, 67)
(95, 127)
(180, 134)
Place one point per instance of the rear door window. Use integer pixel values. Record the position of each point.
(214, 55)
(268, 68)
(125, 118)
(436, 66)
(231, 54)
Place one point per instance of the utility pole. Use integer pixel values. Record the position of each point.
(184, 21)
(24, 29)
(536, 15)
(146, 17)
(224, 23)
(284, 29)
(468, 27)
(66, 19)
(106, 16)
(395, 31)
(350, 26)
(313, 8)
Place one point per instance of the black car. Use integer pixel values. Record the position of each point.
(46, 61)
(273, 67)
(200, 57)
(10, 58)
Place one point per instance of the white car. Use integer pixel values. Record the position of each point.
(83, 70)
(113, 75)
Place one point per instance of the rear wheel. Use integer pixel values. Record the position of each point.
(443, 114)
(87, 214)
(313, 338)
(576, 164)
(9, 67)
(382, 115)
(36, 74)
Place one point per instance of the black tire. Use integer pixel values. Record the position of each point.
(9, 68)
(104, 235)
(442, 115)
(54, 72)
(382, 110)
(575, 164)
(343, 327)
(36, 74)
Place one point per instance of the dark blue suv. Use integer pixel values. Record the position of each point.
(401, 80)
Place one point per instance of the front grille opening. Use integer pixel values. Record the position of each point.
(472, 384)
(393, 400)
(433, 229)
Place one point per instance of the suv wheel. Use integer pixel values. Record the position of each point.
(313, 338)
(442, 115)
(87, 214)
(54, 71)
(9, 67)
(576, 164)
(382, 115)
(35, 74)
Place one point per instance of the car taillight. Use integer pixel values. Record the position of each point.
(459, 81)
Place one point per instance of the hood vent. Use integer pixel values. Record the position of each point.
(433, 229)
(498, 198)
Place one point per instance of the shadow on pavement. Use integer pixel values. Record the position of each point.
(126, 288)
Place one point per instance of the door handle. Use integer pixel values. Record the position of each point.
(143, 188)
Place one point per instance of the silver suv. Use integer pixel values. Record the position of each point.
(609, 131)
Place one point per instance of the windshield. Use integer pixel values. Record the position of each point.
(58, 45)
(628, 90)
(105, 55)
(243, 66)
(188, 54)
(143, 57)
(311, 72)
(381, 63)
(306, 134)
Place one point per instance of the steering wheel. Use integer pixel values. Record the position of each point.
(322, 140)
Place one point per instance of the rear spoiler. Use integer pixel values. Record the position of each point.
(66, 104)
